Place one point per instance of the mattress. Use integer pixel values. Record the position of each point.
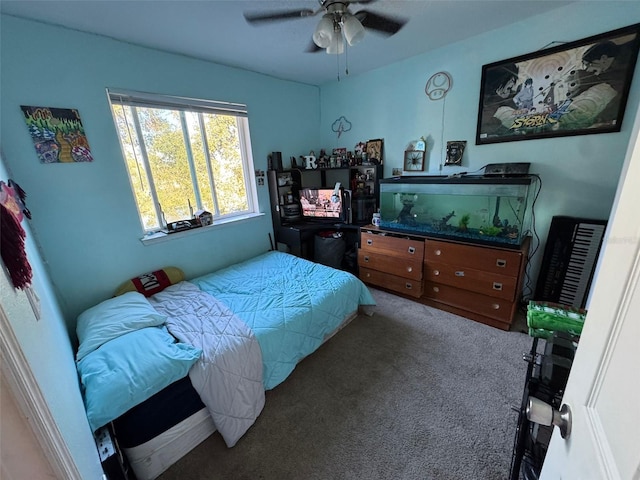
(159, 413)
(160, 431)
(153, 457)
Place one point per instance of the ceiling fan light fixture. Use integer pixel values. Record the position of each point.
(337, 43)
(324, 32)
(353, 29)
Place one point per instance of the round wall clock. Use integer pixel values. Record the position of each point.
(414, 160)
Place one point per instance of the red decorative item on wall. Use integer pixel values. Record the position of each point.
(13, 236)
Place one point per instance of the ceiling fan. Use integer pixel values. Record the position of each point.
(337, 24)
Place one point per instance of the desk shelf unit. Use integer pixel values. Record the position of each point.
(362, 180)
(299, 236)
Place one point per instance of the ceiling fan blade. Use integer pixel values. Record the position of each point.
(313, 48)
(381, 23)
(275, 16)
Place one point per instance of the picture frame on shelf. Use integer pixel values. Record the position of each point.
(576, 88)
(414, 160)
(374, 151)
(455, 151)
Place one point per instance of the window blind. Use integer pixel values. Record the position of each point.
(152, 100)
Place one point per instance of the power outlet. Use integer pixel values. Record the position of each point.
(104, 444)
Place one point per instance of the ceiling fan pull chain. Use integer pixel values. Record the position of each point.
(346, 58)
(338, 66)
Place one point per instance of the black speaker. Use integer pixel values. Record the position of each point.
(275, 160)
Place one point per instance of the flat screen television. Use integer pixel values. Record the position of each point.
(322, 204)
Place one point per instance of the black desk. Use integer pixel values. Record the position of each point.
(300, 237)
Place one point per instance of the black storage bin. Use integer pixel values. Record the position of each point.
(329, 248)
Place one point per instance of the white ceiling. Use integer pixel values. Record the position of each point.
(216, 30)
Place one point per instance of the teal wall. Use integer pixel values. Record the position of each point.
(84, 215)
(50, 355)
(579, 173)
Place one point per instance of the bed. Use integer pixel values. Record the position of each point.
(226, 337)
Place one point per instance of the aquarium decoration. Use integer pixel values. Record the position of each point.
(58, 134)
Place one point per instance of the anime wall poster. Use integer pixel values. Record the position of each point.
(58, 134)
(576, 88)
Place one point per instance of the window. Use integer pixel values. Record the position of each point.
(184, 155)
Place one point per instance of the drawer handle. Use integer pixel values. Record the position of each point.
(459, 273)
(409, 286)
(369, 241)
(436, 289)
(497, 286)
(495, 306)
(501, 263)
(368, 275)
(438, 252)
(411, 250)
(436, 272)
(409, 269)
(366, 258)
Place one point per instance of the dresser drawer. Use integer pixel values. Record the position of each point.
(407, 268)
(502, 262)
(496, 308)
(393, 246)
(494, 285)
(391, 282)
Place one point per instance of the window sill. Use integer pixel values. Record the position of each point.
(159, 237)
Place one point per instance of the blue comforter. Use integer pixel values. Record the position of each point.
(290, 314)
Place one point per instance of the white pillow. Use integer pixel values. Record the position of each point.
(112, 318)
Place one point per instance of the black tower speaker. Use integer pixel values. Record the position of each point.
(276, 161)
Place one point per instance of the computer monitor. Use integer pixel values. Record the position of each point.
(324, 204)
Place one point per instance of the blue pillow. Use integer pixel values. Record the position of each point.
(112, 318)
(129, 369)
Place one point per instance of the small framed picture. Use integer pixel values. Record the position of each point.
(455, 150)
(414, 160)
(374, 151)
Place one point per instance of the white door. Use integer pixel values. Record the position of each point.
(603, 390)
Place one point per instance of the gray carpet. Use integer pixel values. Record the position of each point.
(409, 393)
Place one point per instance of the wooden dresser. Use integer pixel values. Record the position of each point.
(392, 262)
(483, 283)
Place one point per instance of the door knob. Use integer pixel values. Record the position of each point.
(540, 412)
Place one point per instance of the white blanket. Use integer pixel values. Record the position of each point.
(228, 376)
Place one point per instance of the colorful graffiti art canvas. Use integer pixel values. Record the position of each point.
(58, 134)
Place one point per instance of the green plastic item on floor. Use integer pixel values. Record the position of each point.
(540, 333)
(554, 317)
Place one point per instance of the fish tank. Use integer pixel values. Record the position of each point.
(478, 209)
